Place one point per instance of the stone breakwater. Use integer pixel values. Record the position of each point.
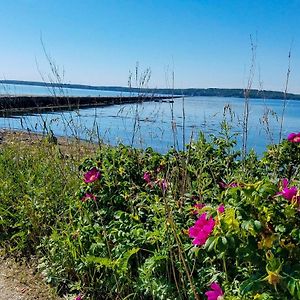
(10, 105)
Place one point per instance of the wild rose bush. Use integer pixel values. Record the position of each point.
(196, 224)
(185, 225)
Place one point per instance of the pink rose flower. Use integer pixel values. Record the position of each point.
(288, 192)
(147, 177)
(92, 175)
(160, 168)
(202, 229)
(294, 137)
(221, 208)
(215, 293)
(162, 183)
(197, 207)
(224, 185)
(88, 196)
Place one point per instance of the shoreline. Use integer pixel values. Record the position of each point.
(68, 146)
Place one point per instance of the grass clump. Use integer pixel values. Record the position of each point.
(136, 224)
(36, 185)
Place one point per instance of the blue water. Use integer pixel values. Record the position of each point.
(11, 89)
(162, 125)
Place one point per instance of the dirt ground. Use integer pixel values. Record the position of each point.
(71, 147)
(19, 281)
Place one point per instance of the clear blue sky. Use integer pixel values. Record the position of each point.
(205, 42)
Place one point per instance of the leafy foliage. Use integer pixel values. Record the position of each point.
(130, 238)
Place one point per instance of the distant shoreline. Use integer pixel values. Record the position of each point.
(208, 92)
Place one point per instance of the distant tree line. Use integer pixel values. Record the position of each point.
(209, 92)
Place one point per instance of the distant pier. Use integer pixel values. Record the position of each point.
(15, 105)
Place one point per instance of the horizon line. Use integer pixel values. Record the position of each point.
(96, 87)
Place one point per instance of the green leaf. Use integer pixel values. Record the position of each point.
(224, 240)
(291, 286)
(101, 261)
(257, 225)
(251, 284)
(221, 244)
(123, 261)
(210, 242)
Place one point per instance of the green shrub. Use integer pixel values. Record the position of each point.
(143, 225)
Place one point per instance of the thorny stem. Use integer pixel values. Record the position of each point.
(225, 267)
(186, 268)
(182, 258)
(174, 275)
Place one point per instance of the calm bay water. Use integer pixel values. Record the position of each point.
(162, 125)
(20, 89)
